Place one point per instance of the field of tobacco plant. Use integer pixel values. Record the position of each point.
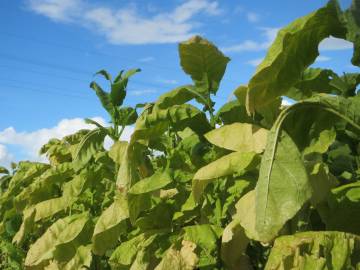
(253, 185)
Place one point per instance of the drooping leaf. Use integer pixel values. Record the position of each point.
(352, 23)
(104, 73)
(232, 112)
(109, 226)
(313, 81)
(117, 151)
(4, 170)
(183, 259)
(177, 96)
(341, 210)
(283, 185)
(233, 246)
(81, 260)
(205, 237)
(118, 88)
(315, 250)
(152, 183)
(237, 162)
(61, 232)
(88, 147)
(294, 49)
(240, 137)
(203, 62)
(246, 214)
(103, 97)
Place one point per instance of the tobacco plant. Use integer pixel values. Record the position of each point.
(254, 185)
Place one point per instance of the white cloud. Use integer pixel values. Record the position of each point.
(167, 81)
(251, 45)
(146, 59)
(5, 157)
(57, 10)
(31, 142)
(255, 62)
(252, 17)
(322, 58)
(142, 92)
(126, 25)
(334, 44)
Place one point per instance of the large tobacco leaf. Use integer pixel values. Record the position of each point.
(234, 163)
(62, 232)
(203, 62)
(240, 137)
(294, 49)
(110, 225)
(283, 186)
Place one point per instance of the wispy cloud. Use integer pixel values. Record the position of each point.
(255, 62)
(5, 157)
(334, 44)
(322, 58)
(252, 17)
(166, 81)
(142, 92)
(269, 35)
(126, 25)
(146, 59)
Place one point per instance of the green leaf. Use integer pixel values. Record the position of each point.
(239, 137)
(322, 181)
(127, 116)
(118, 88)
(234, 163)
(71, 191)
(104, 73)
(183, 259)
(26, 226)
(109, 226)
(103, 97)
(246, 214)
(88, 147)
(117, 151)
(294, 49)
(352, 22)
(341, 210)
(315, 250)
(203, 62)
(205, 237)
(61, 232)
(283, 185)
(155, 182)
(125, 254)
(232, 112)
(4, 170)
(177, 96)
(81, 260)
(313, 81)
(233, 247)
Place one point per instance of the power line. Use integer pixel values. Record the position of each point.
(73, 48)
(36, 89)
(78, 49)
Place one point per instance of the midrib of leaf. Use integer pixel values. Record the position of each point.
(278, 123)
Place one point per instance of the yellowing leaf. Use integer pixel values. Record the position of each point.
(237, 162)
(239, 137)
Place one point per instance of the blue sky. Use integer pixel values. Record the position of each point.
(50, 49)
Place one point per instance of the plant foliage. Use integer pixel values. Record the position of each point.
(254, 185)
